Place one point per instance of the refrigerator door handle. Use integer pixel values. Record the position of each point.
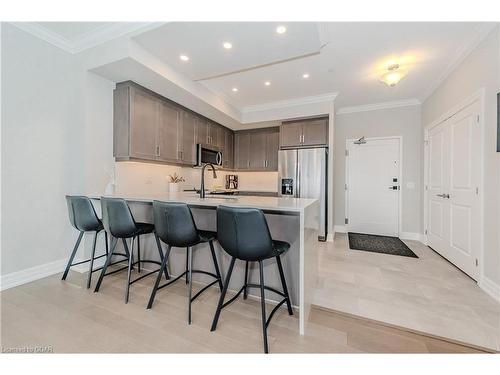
(297, 193)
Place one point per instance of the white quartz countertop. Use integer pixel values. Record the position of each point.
(283, 204)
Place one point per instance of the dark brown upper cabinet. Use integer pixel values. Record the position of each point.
(149, 127)
(186, 138)
(304, 133)
(257, 149)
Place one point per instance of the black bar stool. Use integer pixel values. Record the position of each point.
(175, 226)
(119, 223)
(83, 218)
(243, 233)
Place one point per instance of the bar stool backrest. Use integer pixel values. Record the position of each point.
(243, 233)
(82, 214)
(174, 224)
(117, 218)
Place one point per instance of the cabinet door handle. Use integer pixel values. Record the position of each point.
(157, 150)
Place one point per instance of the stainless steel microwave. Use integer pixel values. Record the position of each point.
(206, 154)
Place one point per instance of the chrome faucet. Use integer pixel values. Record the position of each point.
(202, 187)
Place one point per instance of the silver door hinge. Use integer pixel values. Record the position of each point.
(426, 188)
(346, 221)
(477, 191)
(426, 143)
(346, 186)
(477, 119)
(346, 152)
(477, 262)
(426, 231)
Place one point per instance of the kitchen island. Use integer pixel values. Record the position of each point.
(294, 220)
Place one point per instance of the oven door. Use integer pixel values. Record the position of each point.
(208, 155)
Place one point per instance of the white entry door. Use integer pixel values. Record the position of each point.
(453, 205)
(373, 180)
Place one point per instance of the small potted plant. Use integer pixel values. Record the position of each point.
(175, 180)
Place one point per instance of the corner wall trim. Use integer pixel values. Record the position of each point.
(410, 236)
(490, 287)
(13, 279)
(339, 229)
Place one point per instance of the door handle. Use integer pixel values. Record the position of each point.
(441, 195)
(395, 187)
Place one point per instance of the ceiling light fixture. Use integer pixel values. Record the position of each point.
(281, 29)
(305, 75)
(184, 57)
(227, 45)
(393, 75)
(235, 89)
(267, 83)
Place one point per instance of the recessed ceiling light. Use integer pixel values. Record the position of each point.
(227, 45)
(267, 83)
(281, 29)
(305, 75)
(235, 89)
(184, 57)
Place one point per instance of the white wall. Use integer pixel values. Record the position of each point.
(42, 151)
(403, 121)
(479, 70)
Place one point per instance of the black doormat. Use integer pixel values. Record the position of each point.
(379, 244)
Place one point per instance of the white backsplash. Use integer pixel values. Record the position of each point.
(136, 178)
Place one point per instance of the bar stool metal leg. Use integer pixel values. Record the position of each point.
(223, 295)
(216, 265)
(187, 265)
(138, 254)
(158, 245)
(263, 306)
(130, 261)
(89, 277)
(245, 291)
(190, 270)
(114, 241)
(106, 242)
(70, 261)
(158, 278)
(283, 283)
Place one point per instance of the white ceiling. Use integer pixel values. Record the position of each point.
(344, 60)
(255, 44)
(349, 62)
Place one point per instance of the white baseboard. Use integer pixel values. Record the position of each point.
(410, 236)
(490, 287)
(339, 229)
(329, 237)
(13, 279)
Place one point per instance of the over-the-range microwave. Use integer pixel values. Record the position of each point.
(208, 154)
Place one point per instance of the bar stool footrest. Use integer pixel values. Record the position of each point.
(88, 260)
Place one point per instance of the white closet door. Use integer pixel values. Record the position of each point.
(453, 200)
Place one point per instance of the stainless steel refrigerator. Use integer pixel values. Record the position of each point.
(303, 174)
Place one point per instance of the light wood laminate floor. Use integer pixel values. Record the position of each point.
(69, 318)
(427, 294)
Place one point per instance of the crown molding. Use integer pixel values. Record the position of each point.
(378, 106)
(88, 40)
(461, 54)
(45, 34)
(328, 97)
